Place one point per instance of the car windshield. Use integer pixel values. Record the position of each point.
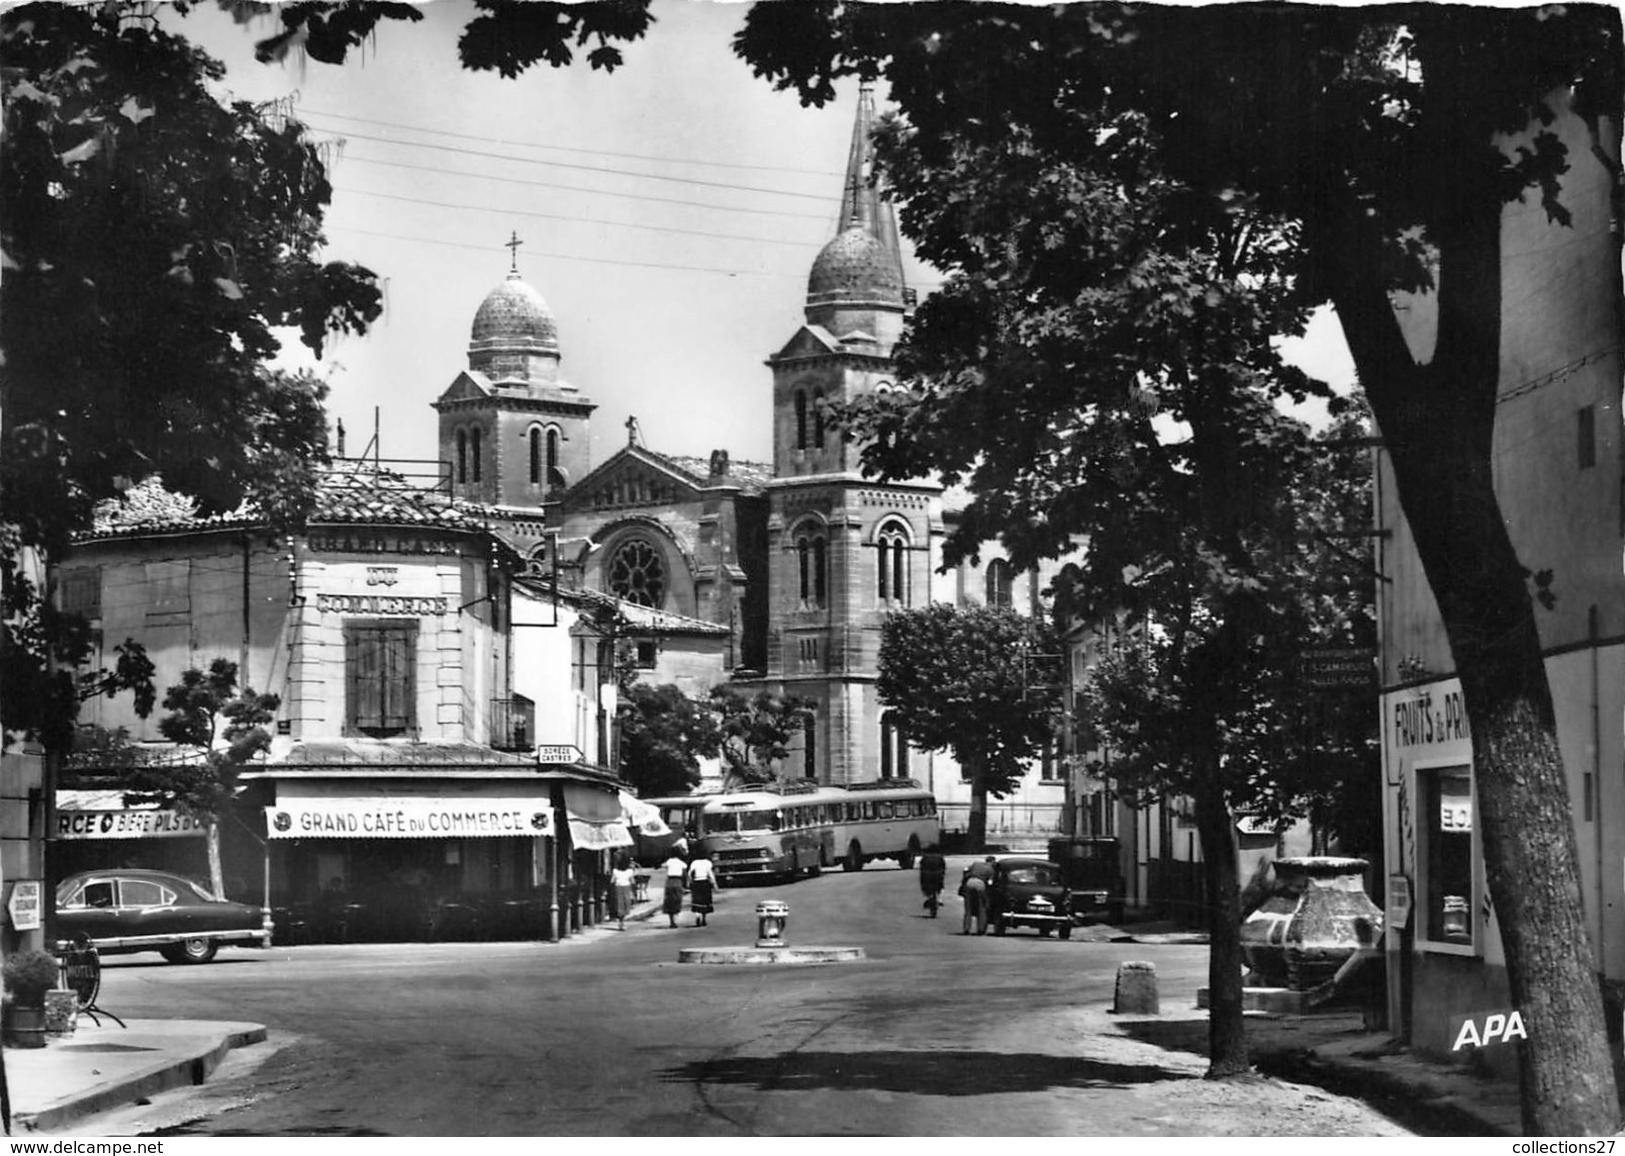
(1039, 873)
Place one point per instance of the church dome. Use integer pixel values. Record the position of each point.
(514, 318)
(856, 268)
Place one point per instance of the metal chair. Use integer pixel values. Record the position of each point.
(82, 971)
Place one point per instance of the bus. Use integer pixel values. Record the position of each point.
(786, 830)
(681, 814)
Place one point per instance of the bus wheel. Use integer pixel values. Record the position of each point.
(906, 859)
(854, 857)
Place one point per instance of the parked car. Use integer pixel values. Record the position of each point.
(1092, 869)
(1028, 892)
(126, 910)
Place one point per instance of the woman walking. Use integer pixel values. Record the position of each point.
(620, 882)
(702, 878)
(672, 902)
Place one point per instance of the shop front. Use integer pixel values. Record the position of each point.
(96, 829)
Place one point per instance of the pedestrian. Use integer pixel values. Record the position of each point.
(702, 879)
(933, 872)
(620, 883)
(672, 903)
(973, 886)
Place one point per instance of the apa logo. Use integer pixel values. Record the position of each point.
(1499, 1027)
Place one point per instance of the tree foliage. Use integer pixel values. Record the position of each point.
(982, 683)
(507, 36)
(756, 730)
(152, 239)
(1378, 135)
(664, 735)
(225, 730)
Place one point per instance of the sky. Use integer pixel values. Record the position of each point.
(668, 212)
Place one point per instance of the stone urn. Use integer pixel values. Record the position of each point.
(1317, 916)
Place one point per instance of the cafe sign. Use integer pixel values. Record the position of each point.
(409, 817)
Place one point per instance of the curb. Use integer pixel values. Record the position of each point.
(172, 1072)
(1405, 1100)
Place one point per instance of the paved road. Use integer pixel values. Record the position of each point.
(934, 1034)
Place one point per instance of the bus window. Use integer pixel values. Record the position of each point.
(868, 810)
(761, 820)
(883, 810)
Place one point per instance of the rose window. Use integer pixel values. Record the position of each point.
(637, 575)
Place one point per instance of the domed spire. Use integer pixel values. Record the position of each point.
(861, 269)
(514, 327)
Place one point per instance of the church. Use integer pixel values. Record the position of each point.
(799, 559)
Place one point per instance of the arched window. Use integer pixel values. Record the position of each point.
(892, 564)
(474, 451)
(998, 582)
(535, 456)
(809, 751)
(555, 476)
(893, 749)
(812, 568)
(818, 420)
(801, 420)
(462, 456)
(638, 574)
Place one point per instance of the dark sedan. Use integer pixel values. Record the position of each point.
(1029, 893)
(125, 910)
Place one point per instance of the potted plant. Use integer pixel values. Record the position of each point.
(28, 976)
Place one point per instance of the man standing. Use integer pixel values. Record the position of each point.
(974, 885)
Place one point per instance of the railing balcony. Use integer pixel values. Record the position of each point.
(513, 723)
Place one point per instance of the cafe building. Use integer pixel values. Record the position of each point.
(402, 776)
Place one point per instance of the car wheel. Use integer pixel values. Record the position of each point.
(1066, 931)
(854, 857)
(906, 859)
(998, 926)
(194, 950)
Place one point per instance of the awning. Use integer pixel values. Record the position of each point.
(408, 817)
(589, 836)
(642, 817)
(102, 815)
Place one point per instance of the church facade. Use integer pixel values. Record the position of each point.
(800, 558)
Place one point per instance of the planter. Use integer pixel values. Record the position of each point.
(1316, 917)
(24, 1026)
(61, 1013)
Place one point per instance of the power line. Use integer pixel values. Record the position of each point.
(567, 256)
(583, 220)
(824, 197)
(570, 148)
(824, 217)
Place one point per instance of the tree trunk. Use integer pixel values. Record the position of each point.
(977, 834)
(1437, 421)
(1226, 1029)
(217, 877)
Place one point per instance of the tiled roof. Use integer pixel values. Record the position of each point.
(350, 492)
(752, 476)
(645, 618)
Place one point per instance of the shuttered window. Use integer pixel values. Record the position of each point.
(380, 690)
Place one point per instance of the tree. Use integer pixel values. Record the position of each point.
(1375, 132)
(664, 735)
(152, 238)
(982, 683)
(756, 730)
(206, 710)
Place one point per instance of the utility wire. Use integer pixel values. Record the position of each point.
(583, 220)
(825, 217)
(567, 148)
(822, 197)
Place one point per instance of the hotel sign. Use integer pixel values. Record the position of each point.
(396, 604)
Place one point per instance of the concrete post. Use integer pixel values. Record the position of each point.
(1136, 989)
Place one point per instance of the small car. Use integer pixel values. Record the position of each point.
(127, 909)
(1028, 892)
(1091, 868)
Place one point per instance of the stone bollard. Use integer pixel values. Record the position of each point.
(1136, 989)
(771, 916)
